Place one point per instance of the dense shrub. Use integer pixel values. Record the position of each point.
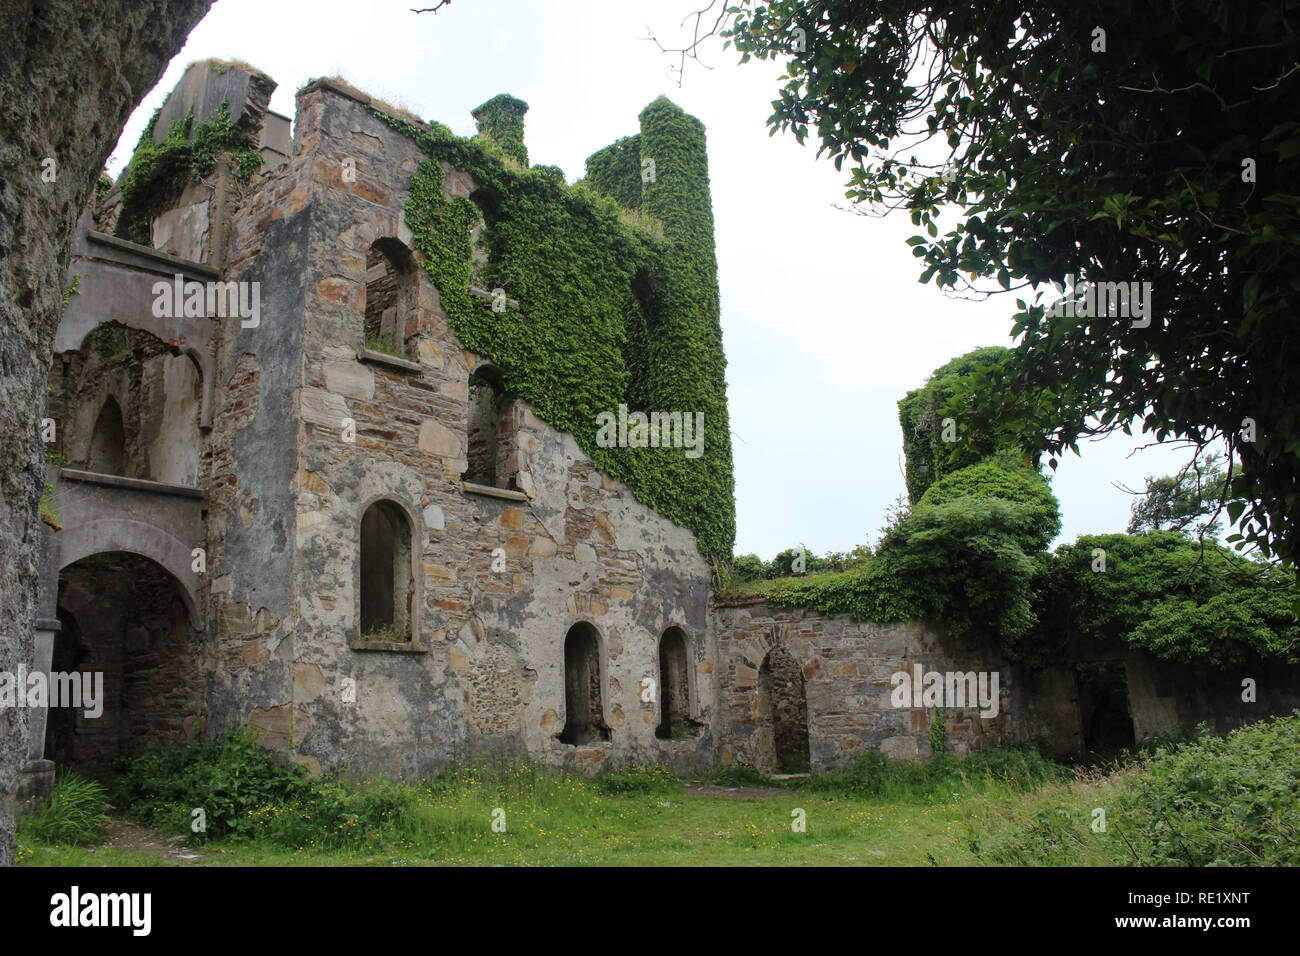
(74, 815)
(228, 778)
(1230, 800)
(1220, 801)
(1165, 593)
(993, 479)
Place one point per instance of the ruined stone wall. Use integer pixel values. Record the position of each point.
(500, 578)
(252, 461)
(846, 666)
(1166, 698)
(157, 392)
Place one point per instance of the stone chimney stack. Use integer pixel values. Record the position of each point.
(502, 118)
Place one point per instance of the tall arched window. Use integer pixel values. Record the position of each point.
(390, 297)
(492, 459)
(387, 581)
(674, 687)
(584, 713)
(108, 442)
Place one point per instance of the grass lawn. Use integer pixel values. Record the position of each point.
(1226, 800)
(656, 829)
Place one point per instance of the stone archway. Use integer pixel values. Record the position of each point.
(129, 644)
(138, 538)
(781, 715)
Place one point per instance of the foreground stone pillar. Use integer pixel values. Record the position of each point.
(71, 74)
(36, 778)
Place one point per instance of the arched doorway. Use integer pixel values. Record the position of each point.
(129, 645)
(781, 715)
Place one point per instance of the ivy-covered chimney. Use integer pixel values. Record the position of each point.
(502, 118)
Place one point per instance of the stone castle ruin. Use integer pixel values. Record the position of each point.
(306, 505)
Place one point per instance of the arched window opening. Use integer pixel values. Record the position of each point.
(390, 298)
(782, 717)
(169, 435)
(675, 721)
(492, 458)
(584, 714)
(387, 581)
(488, 201)
(108, 441)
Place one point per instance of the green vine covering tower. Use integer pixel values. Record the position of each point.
(616, 283)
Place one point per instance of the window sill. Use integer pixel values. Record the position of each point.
(487, 490)
(133, 484)
(400, 647)
(392, 361)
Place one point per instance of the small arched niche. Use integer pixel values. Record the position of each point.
(107, 453)
(584, 711)
(676, 716)
(387, 575)
(390, 316)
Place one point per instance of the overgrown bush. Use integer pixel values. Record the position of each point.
(228, 778)
(995, 479)
(1220, 801)
(1179, 599)
(1231, 800)
(250, 794)
(872, 773)
(75, 814)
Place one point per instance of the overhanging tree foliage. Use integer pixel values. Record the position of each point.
(1191, 500)
(1101, 140)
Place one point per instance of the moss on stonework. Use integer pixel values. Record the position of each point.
(159, 172)
(386, 344)
(609, 313)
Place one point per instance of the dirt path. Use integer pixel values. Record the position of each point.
(124, 835)
(737, 793)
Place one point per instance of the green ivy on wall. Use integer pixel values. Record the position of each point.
(608, 314)
(928, 452)
(159, 171)
(616, 171)
(502, 118)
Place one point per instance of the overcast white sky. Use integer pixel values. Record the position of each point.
(824, 323)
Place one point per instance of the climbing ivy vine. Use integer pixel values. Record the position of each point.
(608, 314)
(159, 171)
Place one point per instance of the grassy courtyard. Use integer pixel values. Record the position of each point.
(1229, 800)
(691, 825)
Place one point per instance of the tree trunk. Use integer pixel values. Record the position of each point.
(70, 76)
